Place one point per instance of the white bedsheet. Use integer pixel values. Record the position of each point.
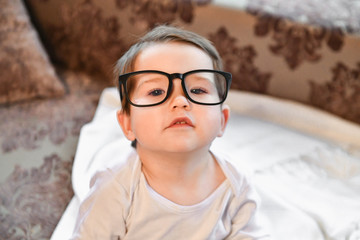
(310, 187)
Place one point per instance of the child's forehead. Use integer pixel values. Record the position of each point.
(166, 47)
(171, 54)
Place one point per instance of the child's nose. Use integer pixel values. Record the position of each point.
(178, 97)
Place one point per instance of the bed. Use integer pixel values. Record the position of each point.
(309, 183)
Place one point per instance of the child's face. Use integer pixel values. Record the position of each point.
(177, 125)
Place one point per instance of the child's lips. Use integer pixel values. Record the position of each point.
(181, 122)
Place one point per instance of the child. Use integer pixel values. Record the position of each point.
(172, 91)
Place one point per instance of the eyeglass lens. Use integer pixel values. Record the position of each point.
(152, 88)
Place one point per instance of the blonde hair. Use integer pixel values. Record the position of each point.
(163, 34)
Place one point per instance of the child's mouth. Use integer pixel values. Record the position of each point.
(181, 122)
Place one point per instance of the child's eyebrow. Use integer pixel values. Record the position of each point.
(203, 78)
(147, 79)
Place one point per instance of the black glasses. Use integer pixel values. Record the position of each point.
(150, 87)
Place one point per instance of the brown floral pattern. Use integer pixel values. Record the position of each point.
(153, 12)
(86, 40)
(32, 201)
(297, 43)
(240, 62)
(340, 95)
(25, 70)
(26, 125)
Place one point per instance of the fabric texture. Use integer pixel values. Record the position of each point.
(38, 142)
(25, 68)
(131, 209)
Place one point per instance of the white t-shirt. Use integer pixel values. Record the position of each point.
(121, 205)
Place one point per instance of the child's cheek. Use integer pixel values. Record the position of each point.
(144, 122)
(211, 120)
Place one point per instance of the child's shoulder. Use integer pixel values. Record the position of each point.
(121, 177)
(238, 177)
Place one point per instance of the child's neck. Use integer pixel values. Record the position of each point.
(185, 179)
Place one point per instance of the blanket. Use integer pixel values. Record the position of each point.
(304, 163)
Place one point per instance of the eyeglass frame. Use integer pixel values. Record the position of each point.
(171, 76)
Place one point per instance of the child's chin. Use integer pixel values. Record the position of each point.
(184, 148)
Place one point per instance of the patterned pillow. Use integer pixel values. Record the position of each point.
(25, 70)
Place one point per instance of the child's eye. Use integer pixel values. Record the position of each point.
(156, 92)
(198, 91)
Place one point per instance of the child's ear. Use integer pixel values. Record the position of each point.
(225, 115)
(125, 124)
